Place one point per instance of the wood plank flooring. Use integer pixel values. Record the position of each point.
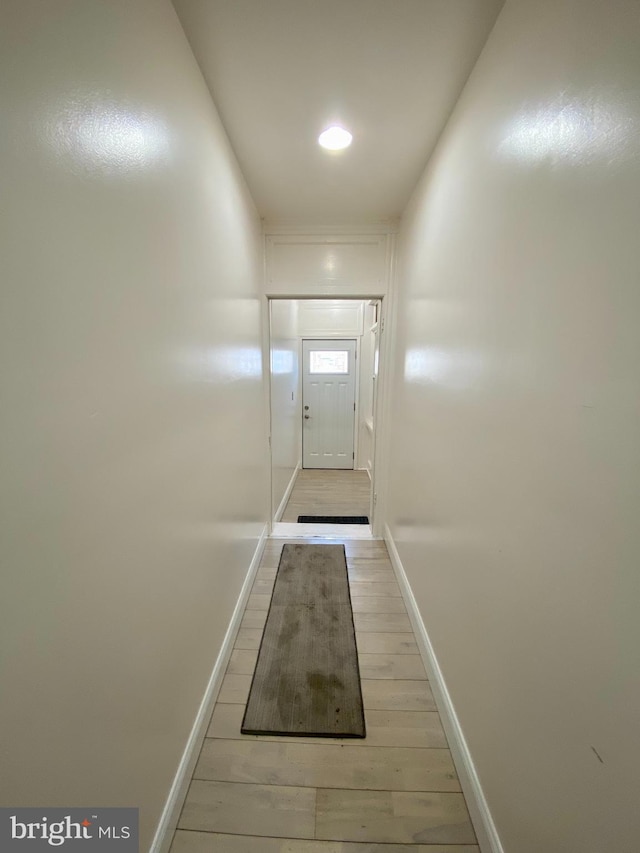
(325, 492)
(393, 792)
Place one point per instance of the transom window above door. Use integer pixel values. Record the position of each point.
(328, 361)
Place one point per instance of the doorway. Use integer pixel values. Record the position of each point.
(323, 356)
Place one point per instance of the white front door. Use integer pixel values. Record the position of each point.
(328, 403)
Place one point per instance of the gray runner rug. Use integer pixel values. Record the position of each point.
(307, 680)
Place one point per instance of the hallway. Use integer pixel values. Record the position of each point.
(325, 492)
(398, 786)
(174, 230)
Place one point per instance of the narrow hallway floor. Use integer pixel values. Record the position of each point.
(397, 790)
(320, 491)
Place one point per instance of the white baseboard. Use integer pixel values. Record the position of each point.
(173, 806)
(483, 824)
(287, 494)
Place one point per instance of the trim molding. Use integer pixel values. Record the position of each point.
(178, 792)
(293, 228)
(287, 495)
(485, 829)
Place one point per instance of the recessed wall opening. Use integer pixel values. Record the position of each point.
(324, 364)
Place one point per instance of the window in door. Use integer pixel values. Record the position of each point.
(329, 361)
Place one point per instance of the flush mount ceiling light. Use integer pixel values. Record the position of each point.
(335, 138)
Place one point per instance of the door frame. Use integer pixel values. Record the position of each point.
(379, 473)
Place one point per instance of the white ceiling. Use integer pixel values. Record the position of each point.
(281, 71)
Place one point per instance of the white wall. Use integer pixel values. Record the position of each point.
(367, 369)
(286, 430)
(314, 263)
(515, 436)
(330, 318)
(133, 484)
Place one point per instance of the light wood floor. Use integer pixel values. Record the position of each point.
(325, 492)
(395, 791)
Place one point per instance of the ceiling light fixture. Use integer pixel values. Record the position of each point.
(335, 138)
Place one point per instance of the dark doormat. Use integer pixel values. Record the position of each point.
(333, 519)
(307, 680)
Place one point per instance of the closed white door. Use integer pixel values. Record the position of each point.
(328, 403)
